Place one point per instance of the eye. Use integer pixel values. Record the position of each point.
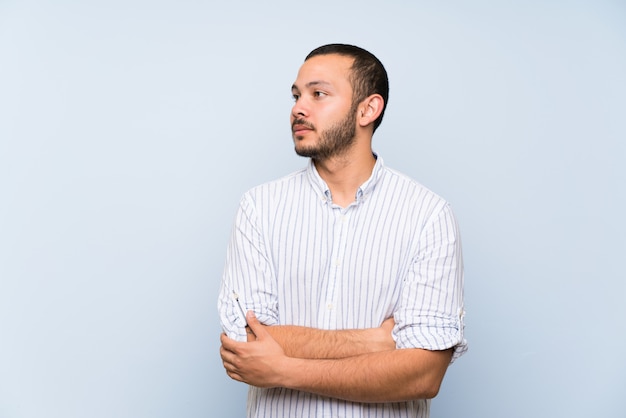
(295, 97)
(319, 94)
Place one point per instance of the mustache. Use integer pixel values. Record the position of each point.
(302, 122)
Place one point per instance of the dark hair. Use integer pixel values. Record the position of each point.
(368, 74)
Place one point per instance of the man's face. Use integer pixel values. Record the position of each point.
(323, 118)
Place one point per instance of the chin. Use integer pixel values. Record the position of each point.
(304, 143)
(306, 151)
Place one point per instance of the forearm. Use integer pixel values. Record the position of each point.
(383, 376)
(387, 376)
(312, 343)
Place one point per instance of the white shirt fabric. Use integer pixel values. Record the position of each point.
(295, 258)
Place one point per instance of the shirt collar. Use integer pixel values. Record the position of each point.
(322, 190)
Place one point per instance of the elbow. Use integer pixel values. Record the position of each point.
(427, 388)
(432, 390)
(424, 380)
(431, 381)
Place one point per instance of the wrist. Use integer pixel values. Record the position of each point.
(290, 373)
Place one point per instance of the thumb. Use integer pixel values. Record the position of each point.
(255, 326)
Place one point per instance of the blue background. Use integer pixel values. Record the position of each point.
(129, 130)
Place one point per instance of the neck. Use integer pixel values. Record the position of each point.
(346, 173)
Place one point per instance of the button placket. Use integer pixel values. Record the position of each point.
(340, 237)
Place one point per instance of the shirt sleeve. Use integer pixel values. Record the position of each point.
(248, 275)
(431, 312)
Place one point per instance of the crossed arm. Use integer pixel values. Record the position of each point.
(313, 343)
(355, 365)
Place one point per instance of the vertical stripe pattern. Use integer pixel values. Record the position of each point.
(295, 258)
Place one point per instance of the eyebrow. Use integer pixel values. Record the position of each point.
(313, 84)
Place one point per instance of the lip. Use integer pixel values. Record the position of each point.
(300, 129)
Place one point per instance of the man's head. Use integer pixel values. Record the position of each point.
(340, 95)
(368, 75)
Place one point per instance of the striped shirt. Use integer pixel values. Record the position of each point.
(295, 258)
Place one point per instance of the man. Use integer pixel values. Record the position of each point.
(342, 293)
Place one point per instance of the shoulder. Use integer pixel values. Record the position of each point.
(272, 190)
(401, 187)
(421, 208)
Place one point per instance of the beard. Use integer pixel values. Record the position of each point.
(333, 141)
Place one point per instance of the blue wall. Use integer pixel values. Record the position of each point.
(129, 130)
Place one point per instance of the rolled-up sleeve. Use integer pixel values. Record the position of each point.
(431, 312)
(248, 275)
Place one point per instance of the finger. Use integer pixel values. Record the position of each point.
(225, 355)
(388, 324)
(389, 321)
(234, 376)
(228, 343)
(231, 371)
(257, 328)
(229, 350)
(253, 322)
(225, 342)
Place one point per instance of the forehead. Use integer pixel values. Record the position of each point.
(330, 69)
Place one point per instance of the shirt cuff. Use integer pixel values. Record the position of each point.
(432, 333)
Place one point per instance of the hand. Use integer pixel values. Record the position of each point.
(388, 325)
(250, 335)
(382, 339)
(255, 362)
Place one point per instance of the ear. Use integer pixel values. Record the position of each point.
(369, 109)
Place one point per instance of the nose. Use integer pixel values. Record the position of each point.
(299, 109)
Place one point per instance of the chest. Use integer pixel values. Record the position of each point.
(339, 268)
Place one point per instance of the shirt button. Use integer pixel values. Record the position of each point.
(330, 306)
